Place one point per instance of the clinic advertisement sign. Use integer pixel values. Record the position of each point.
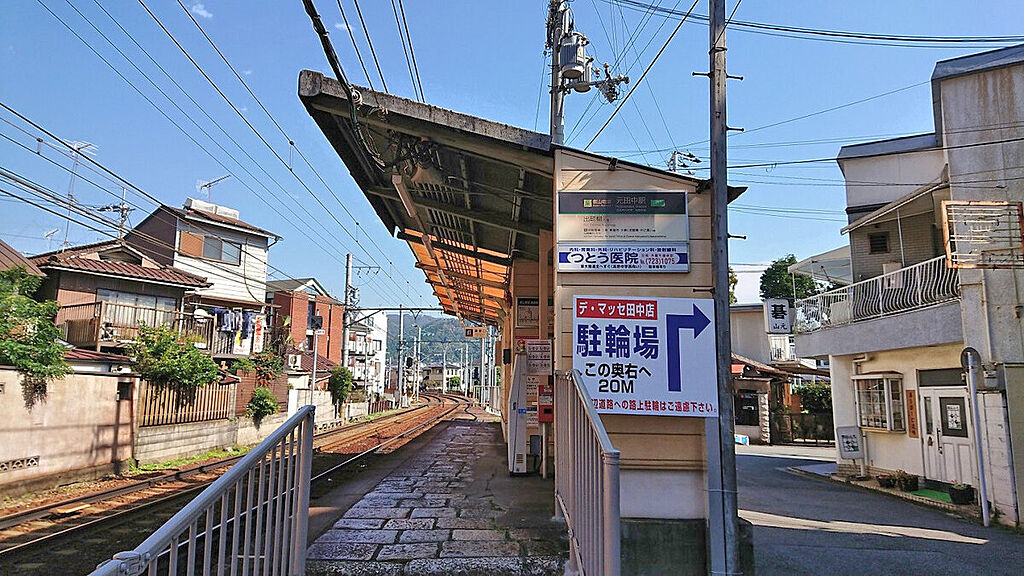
(623, 257)
(652, 356)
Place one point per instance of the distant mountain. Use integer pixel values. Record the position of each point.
(437, 335)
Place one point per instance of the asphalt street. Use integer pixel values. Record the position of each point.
(809, 526)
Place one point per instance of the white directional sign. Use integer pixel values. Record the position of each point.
(647, 355)
(476, 331)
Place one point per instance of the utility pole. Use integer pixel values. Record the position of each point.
(465, 365)
(122, 209)
(483, 356)
(345, 315)
(558, 25)
(721, 482)
(418, 377)
(401, 355)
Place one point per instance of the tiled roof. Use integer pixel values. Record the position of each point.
(322, 364)
(166, 274)
(11, 258)
(218, 218)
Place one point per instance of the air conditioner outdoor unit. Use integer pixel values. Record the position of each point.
(295, 361)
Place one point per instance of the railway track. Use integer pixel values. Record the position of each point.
(28, 529)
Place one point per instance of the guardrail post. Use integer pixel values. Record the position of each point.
(301, 518)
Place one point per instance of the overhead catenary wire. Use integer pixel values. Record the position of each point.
(321, 243)
(266, 143)
(405, 51)
(369, 43)
(412, 51)
(355, 46)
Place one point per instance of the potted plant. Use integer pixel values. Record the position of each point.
(886, 480)
(961, 493)
(905, 481)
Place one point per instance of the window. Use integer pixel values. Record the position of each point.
(878, 243)
(216, 249)
(128, 309)
(880, 402)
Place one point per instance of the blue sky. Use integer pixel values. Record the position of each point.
(478, 57)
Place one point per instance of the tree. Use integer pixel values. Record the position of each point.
(454, 382)
(733, 281)
(29, 340)
(815, 397)
(776, 281)
(261, 404)
(340, 384)
(268, 365)
(166, 360)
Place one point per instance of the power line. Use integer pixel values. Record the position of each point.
(842, 36)
(642, 76)
(405, 50)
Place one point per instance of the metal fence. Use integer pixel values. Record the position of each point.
(917, 286)
(250, 521)
(586, 479)
(801, 428)
(161, 406)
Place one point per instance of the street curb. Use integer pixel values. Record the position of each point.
(951, 509)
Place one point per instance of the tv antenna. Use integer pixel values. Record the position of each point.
(210, 184)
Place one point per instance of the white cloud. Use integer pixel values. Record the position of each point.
(247, 72)
(340, 26)
(200, 10)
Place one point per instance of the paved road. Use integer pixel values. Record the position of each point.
(809, 526)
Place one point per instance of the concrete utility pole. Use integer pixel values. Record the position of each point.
(465, 366)
(724, 539)
(558, 24)
(345, 316)
(401, 355)
(418, 377)
(483, 356)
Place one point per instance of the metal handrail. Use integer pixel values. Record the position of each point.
(586, 480)
(918, 286)
(253, 519)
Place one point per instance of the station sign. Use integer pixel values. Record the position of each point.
(623, 257)
(476, 331)
(653, 356)
(527, 312)
(622, 215)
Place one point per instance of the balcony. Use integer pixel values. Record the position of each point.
(910, 307)
(98, 324)
(919, 286)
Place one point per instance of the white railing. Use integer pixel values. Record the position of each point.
(252, 520)
(586, 480)
(917, 286)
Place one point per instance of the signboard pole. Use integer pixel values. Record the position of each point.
(971, 361)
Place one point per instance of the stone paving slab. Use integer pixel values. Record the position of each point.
(450, 508)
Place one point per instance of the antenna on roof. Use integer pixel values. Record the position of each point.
(210, 184)
(49, 238)
(78, 148)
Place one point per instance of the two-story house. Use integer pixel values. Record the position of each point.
(210, 240)
(107, 290)
(895, 335)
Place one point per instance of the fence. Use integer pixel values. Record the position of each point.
(251, 520)
(800, 428)
(161, 406)
(910, 288)
(586, 479)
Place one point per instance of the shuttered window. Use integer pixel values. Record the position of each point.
(191, 244)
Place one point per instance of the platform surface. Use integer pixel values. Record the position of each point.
(449, 508)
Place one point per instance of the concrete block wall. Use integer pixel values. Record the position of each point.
(161, 443)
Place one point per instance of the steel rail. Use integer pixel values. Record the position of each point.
(41, 513)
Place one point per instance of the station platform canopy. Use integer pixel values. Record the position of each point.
(468, 195)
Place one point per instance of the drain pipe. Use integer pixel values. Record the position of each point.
(971, 362)
(863, 437)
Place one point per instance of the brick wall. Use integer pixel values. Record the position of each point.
(295, 306)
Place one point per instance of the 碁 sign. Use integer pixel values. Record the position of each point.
(647, 355)
(777, 316)
(623, 257)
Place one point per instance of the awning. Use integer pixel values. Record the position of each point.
(832, 266)
(919, 201)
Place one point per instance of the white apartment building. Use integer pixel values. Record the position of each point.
(367, 350)
(894, 336)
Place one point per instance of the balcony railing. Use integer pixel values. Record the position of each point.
(95, 324)
(917, 286)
